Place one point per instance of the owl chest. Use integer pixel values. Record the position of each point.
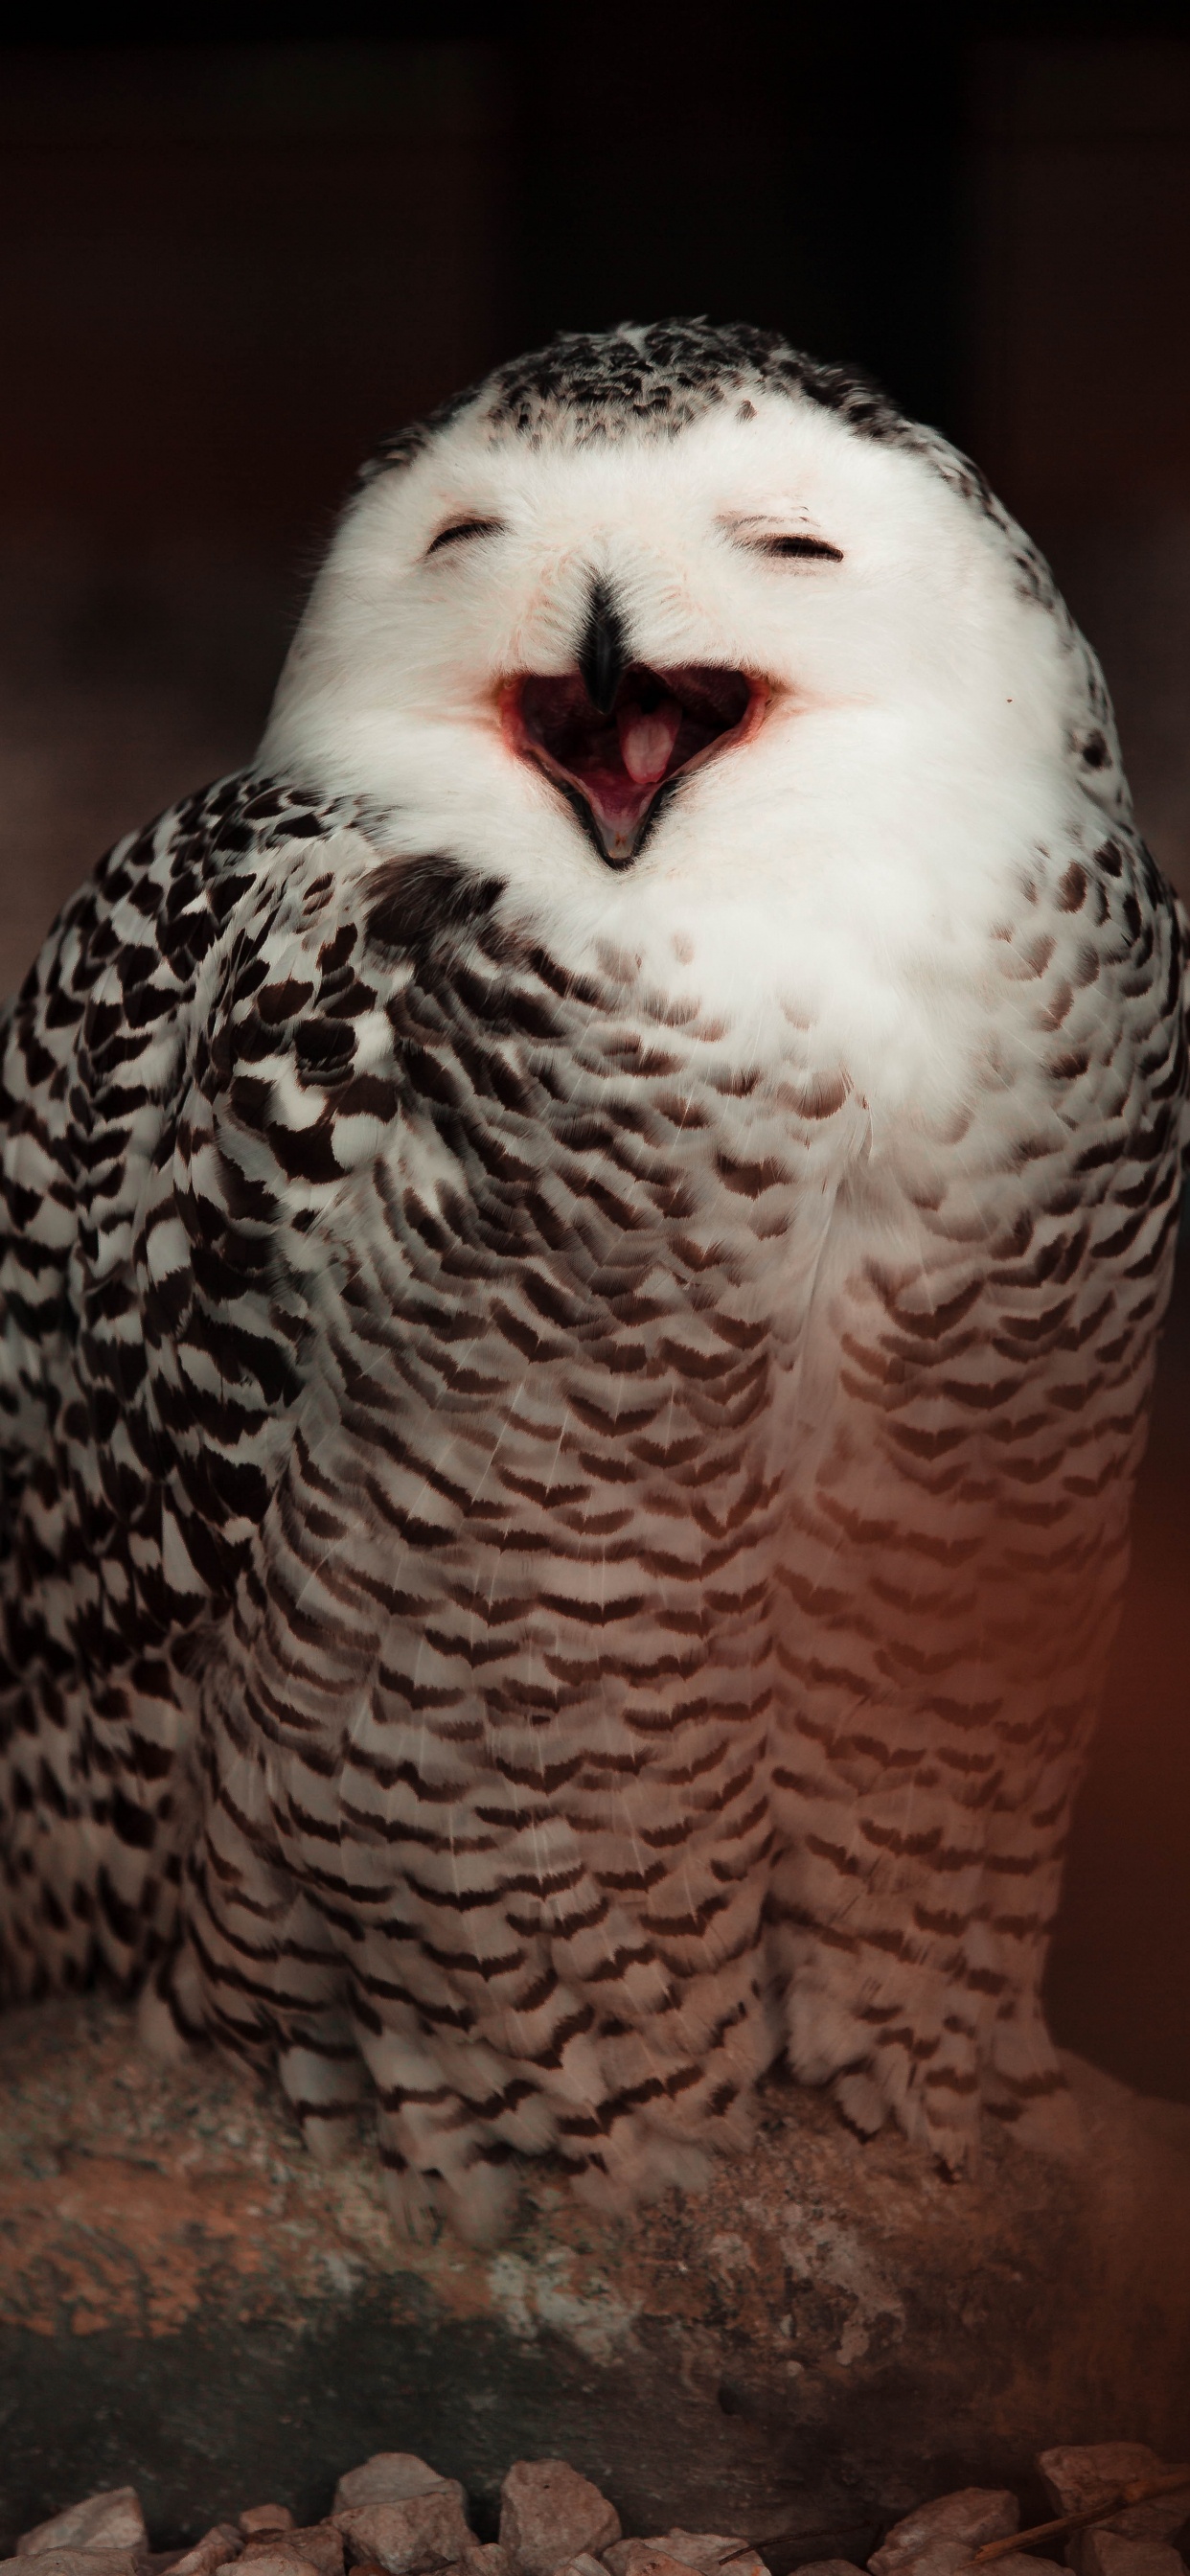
(581, 1331)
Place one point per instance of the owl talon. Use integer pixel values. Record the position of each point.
(860, 2103)
(412, 2204)
(483, 2205)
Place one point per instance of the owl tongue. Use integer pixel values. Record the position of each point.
(647, 741)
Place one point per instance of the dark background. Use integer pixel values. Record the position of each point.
(231, 262)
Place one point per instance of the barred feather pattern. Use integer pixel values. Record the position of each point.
(540, 1569)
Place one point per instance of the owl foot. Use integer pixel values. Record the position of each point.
(860, 2102)
(412, 2203)
(655, 2166)
(324, 2082)
(481, 2207)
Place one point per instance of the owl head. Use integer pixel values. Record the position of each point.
(677, 622)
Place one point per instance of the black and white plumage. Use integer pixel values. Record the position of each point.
(584, 1249)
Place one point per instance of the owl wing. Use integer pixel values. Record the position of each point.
(150, 1331)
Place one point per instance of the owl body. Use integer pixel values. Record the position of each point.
(586, 1248)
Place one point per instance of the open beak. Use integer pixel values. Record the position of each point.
(615, 735)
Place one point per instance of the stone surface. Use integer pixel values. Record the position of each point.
(1114, 2553)
(1016, 2563)
(707, 2551)
(112, 2520)
(318, 2546)
(549, 2512)
(391, 2477)
(279, 2558)
(216, 2547)
(294, 2553)
(1078, 2477)
(962, 2521)
(946, 2557)
(422, 2533)
(189, 2304)
(265, 2517)
(1162, 2518)
(647, 2558)
(78, 2562)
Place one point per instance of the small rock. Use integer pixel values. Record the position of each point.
(76, 2562)
(1018, 2564)
(949, 2555)
(1162, 2518)
(281, 2555)
(941, 2558)
(319, 2546)
(1098, 2470)
(549, 2513)
(829, 2567)
(583, 2565)
(1078, 2476)
(112, 2520)
(391, 2477)
(642, 2558)
(487, 2558)
(710, 2552)
(946, 2531)
(707, 2551)
(413, 2537)
(1114, 2553)
(258, 2518)
(221, 2543)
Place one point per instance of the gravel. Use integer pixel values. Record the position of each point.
(395, 2515)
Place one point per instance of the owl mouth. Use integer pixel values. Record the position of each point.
(617, 763)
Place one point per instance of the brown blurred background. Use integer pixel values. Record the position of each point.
(231, 262)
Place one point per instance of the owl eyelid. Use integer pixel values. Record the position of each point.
(459, 529)
(762, 538)
(808, 549)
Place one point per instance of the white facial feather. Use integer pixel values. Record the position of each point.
(847, 860)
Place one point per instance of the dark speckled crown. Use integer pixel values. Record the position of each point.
(656, 378)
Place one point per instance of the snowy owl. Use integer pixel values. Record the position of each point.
(584, 1247)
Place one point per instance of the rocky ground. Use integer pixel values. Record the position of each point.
(396, 2516)
(190, 2304)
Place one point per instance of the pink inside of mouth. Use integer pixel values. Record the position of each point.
(662, 723)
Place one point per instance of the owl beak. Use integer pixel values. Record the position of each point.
(615, 736)
(603, 655)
